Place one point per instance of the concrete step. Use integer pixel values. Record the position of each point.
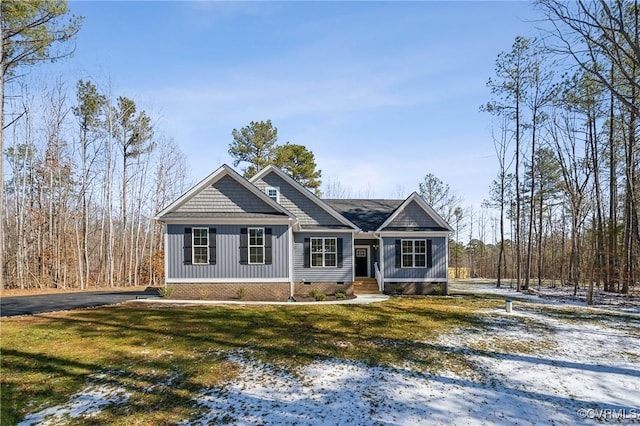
(365, 286)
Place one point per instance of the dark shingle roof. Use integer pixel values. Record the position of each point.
(367, 215)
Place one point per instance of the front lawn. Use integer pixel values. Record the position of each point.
(405, 361)
(47, 358)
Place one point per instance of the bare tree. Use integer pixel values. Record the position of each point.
(564, 131)
(509, 90)
(597, 32)
(440, 196)
(498, 192)
(28, 32)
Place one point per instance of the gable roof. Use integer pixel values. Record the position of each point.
(308, 194)
(274, 209)
(367, 214)
(415, 198)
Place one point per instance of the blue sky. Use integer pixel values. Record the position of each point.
(383, 93)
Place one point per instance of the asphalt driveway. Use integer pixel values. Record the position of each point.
(29, 305)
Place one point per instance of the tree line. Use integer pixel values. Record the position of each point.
(565, 108)
(86, 175)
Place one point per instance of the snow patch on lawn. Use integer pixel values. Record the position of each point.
(86, 403)
(577, 372)
(538, 365)
(557, 295)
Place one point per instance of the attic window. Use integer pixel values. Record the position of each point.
(273, 193)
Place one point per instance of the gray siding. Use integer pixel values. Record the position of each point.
(228, 196)
(413, 216)
(305, 210)
(438, 270)
(301, 273)
(228, 254)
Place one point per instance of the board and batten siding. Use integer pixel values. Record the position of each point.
(343, 274)
(226, 196)
(438, 270)
(306, 211)
(413, 216)
(227, 255)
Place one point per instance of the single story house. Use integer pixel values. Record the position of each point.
(269, 238)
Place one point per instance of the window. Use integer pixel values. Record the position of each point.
(324, 252)
(414, 253)
(256, 245)
(273, 193)
(200, 246)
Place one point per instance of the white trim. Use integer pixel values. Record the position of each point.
(325, 231)
(311, 196)
(446, 257)
(426, 207)
(228, 221)
(368, 249)
(221, 172)
(291, 270)
(193, 246)
(416, 280)
(249, 245)
(381, 265)
(414, 234)
(353, 259)
(413, 253)
(166, 255)
(324, 252)
(226, 280)
(269, 188)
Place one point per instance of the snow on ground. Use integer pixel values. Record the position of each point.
(86, 403)
(564, 370)
(577, 372)
(556, 295)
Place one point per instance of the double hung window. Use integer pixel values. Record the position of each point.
(324, 252)
(256, 245)
(200, 246)
(414, 253)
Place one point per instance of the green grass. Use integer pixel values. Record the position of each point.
(163, 356)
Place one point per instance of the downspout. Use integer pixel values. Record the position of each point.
(446, 260)
(290, 233)
(353, 256)
(166, 253)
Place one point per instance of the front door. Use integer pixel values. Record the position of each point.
(362, 261)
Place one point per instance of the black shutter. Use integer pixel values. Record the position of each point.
(398, 254)
(307, 253)
(429, 255)
(339, 252)
(267, 246)
(212, 246)
(186, 246)
(244, 246)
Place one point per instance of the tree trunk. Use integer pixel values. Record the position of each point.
(612, 253)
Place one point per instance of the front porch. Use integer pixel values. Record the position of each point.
(366, 261)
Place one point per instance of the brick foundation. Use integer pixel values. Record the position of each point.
(301, 289)
(230, 291)
(436, 288)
